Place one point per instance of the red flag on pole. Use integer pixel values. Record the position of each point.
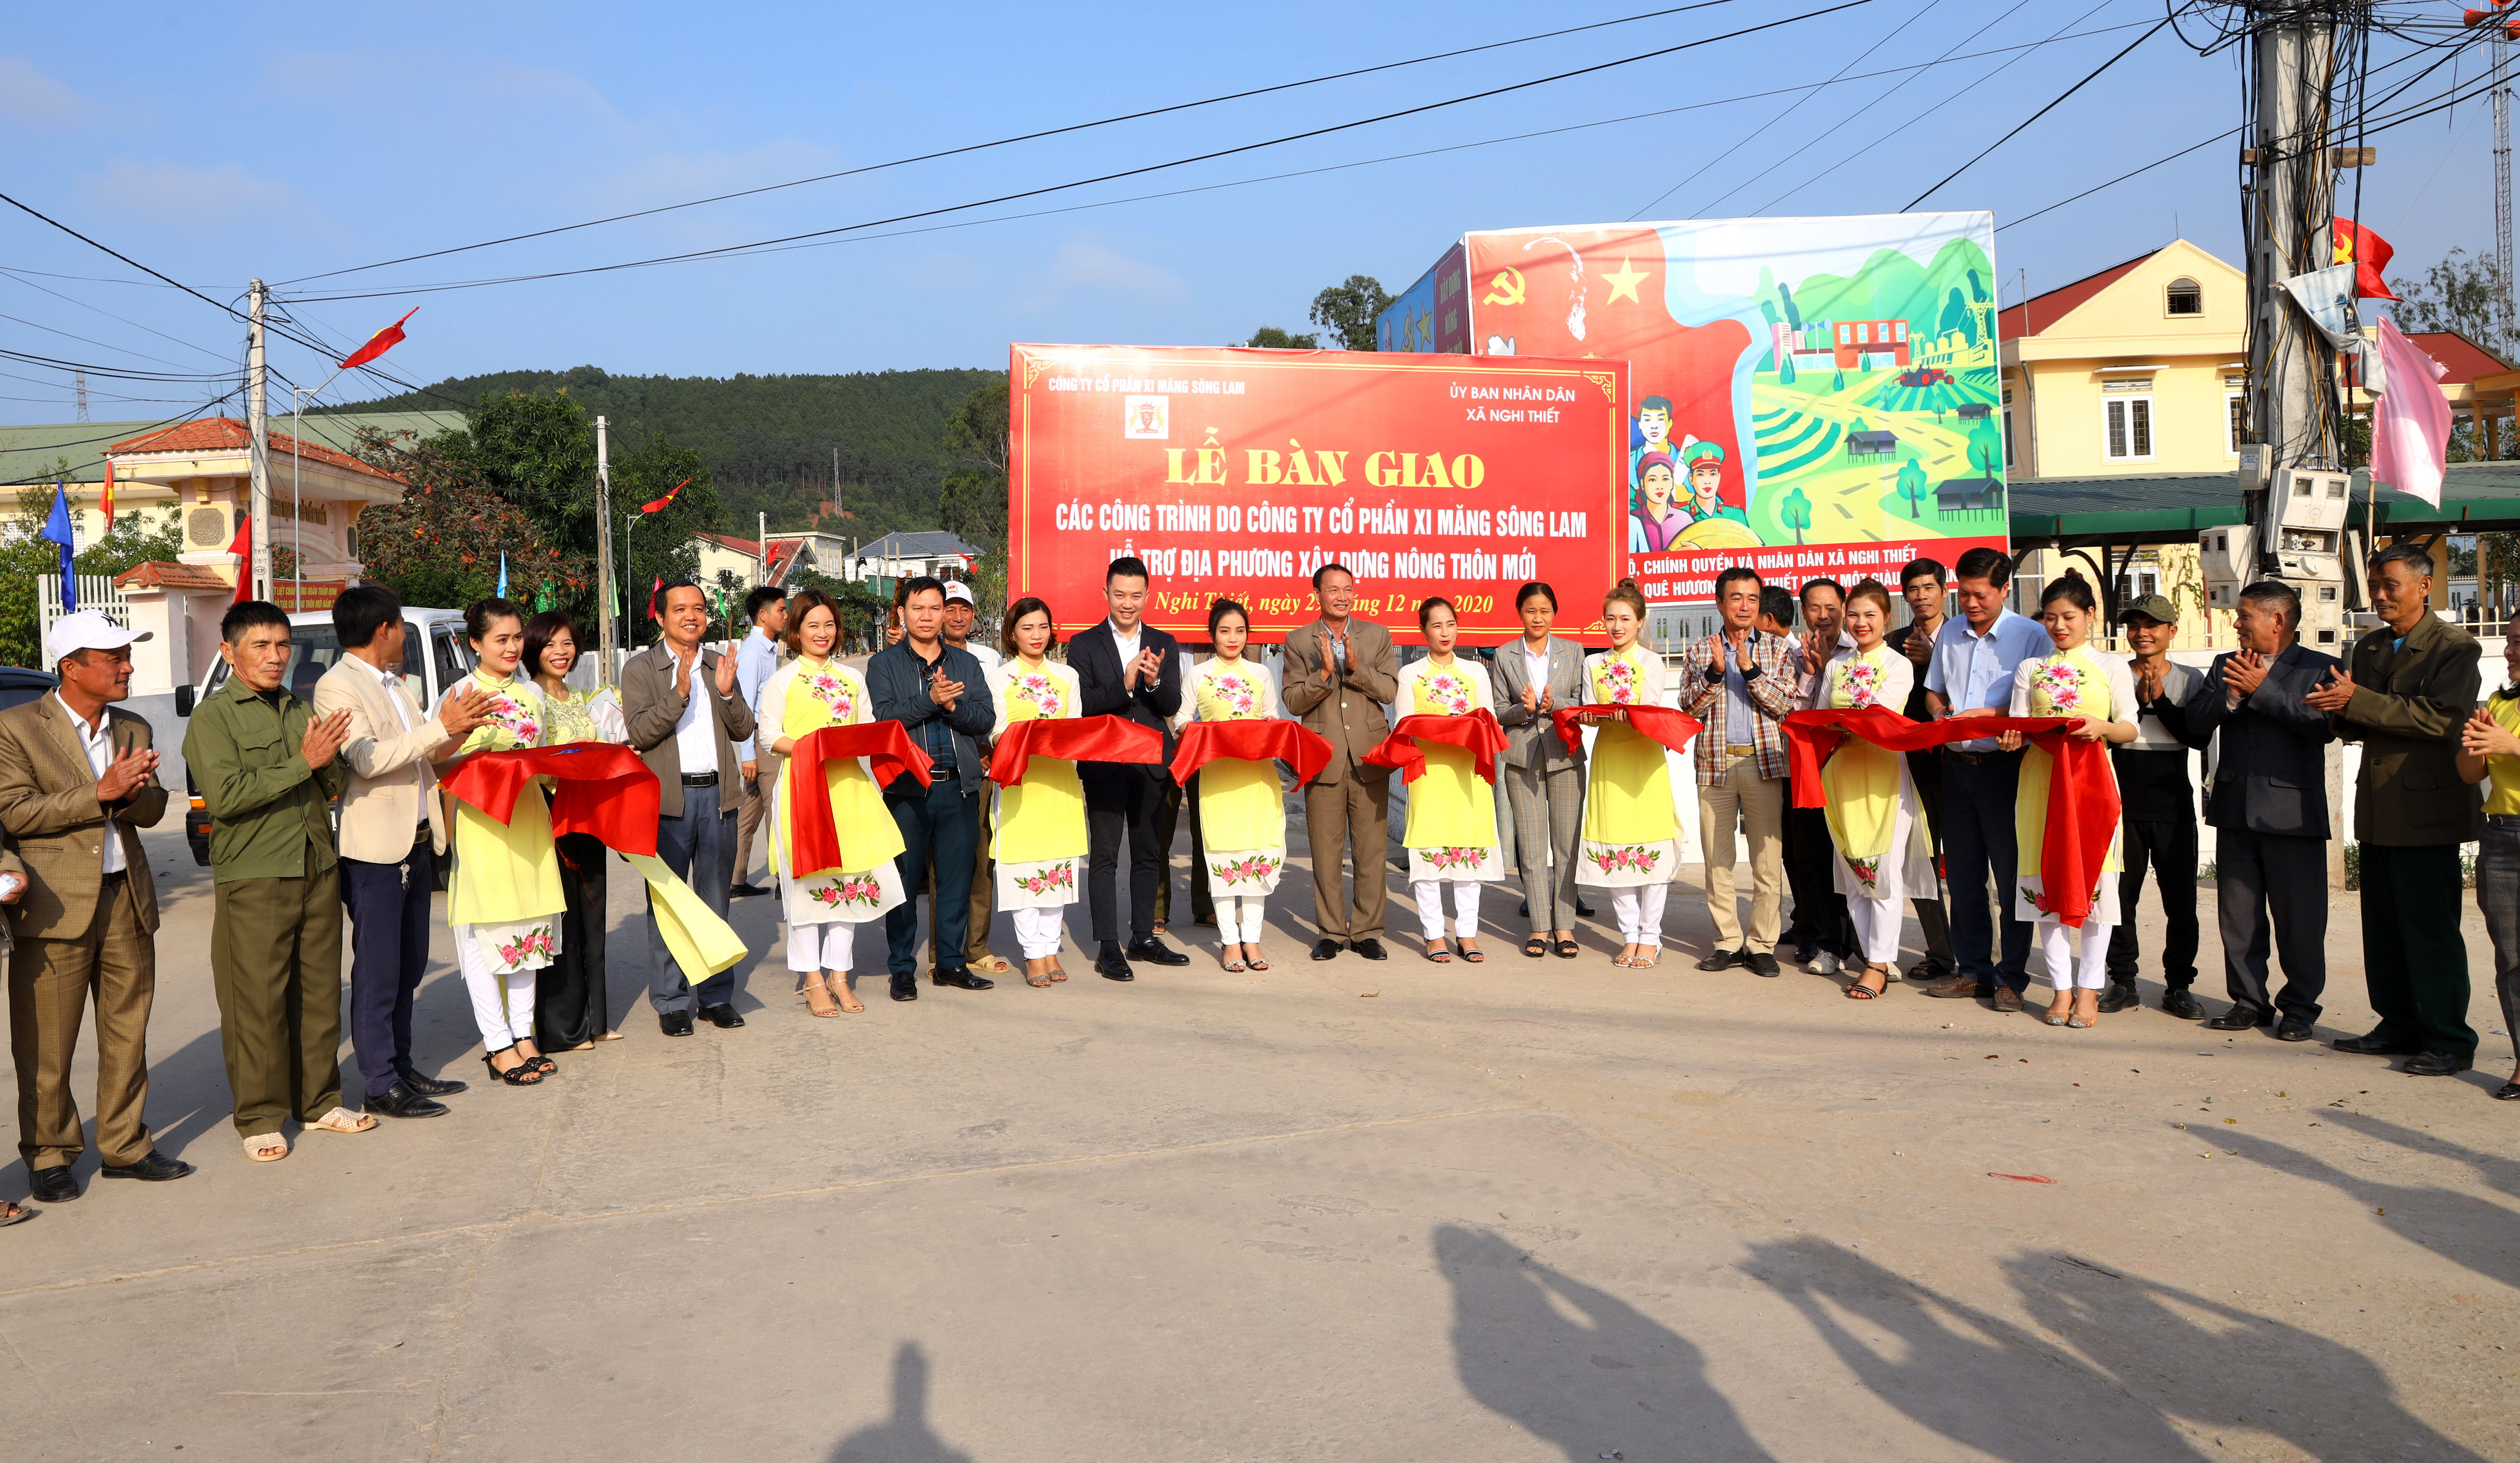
(242, 548)
(378, 344)
(658, 505)
(2369, 254)
(104, 499)
(655, 591)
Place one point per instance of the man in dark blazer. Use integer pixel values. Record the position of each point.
(2412, 684)
(2269, 807)
(1341, 673)
(940, 696)
(1544, 781)
(1127, 668)
(686, 716)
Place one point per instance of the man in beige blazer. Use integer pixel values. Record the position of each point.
(78, 781)
(1341, 676)
(391, 823)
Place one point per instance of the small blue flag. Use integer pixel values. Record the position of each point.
(57, 527)
(503, 573)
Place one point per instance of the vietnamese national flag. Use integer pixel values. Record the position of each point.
(378, 344)
(658, 505)
(658, 590)
(2369, 254)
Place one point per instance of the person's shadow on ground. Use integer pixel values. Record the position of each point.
(2463, 1228)
(904, 1437)
(1610, 1382)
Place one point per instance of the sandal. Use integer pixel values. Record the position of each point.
(818, 987)
(267, 1148)
(1255, 961)
(1567, 950)
(1439, 952)
(523, 1075)
(1037, 979)
(1856, 990)
(541, 1062)
(1651, 957)
(1535, 947)
(610, 1036)
(1470, 952)
(1057, 975)
(14, 1214)
(341, 1120)
(850, 1005)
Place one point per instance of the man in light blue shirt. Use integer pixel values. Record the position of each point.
(1975, 658)
(755, 662)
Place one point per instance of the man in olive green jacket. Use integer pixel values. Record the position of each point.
(264, 763)
(2410, 685)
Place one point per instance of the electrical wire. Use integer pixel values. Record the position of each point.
(2036, 115)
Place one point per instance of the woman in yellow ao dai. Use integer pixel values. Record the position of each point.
(1040, 843)
(824, 908)
(1450, 831)
(1884, 856)
(1241, 807)
(1630, 838)
(506, 899)
(2074, 681)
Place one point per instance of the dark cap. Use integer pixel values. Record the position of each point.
(2151, 607)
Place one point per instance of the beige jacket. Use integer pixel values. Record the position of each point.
(49, 810)
(1353, 713)
(382, 802)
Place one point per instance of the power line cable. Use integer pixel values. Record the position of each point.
(2042, 112)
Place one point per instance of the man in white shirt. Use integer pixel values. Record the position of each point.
(755, 662)
(390, 820)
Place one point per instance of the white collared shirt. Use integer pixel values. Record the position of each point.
(98, 743)
(1129, 644)
(693, 741)
(400, 699)
(1538, 663)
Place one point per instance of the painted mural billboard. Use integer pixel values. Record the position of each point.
(1812, 395)
(1430, 315)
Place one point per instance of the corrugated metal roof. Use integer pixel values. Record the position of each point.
(2475, 496)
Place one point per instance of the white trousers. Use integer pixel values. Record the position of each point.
(503, 1007)
(821, 947)
(1240, 918)
(1038, 931)
(1430, 907)
(1640, 913)
(1876, 925)
(2054, 940)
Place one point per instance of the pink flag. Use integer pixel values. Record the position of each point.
(2410, 420)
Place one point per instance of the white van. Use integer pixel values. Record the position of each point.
(435, 657)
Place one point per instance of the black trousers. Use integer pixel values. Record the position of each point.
(1978, 840)
(388, 909)
(941, 824)
(1819, 910)
(570, 1006)
(1925, 771)
(2263, 874)
(2170, 847)
(2413, 956)
(1178, 800)
(1124, 800)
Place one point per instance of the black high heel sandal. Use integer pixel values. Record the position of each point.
(523, 1075)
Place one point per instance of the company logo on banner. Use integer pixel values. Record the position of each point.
(1429, 474)
(1812, 395)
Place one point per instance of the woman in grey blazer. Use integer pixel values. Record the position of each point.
(1543, 782)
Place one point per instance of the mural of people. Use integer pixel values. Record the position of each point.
(1653, 436)
(1705, 466)
(1659, 520)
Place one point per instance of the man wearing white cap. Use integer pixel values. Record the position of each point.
(77, 783)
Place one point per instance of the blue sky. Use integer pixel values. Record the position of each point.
(291, 141)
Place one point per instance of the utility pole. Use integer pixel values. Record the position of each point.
(258, 426)
(2503, 339)
(78, 379)
(835, 480)
(604, 546)
(761, 550)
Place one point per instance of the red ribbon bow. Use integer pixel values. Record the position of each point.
(1476, 733)
(1080, 739)
(2082, 790)
(1293, 743)
(601, 788)
(1662, 724)
(889, 752)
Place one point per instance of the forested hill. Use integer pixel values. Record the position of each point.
(767, 439)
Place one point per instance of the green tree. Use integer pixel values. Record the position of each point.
(1839, 382)
(663, 545)
(1272, 337)
(1911, 486)
(1795, 513)
(2458, 294)
(440, 545)
(1348, 311)
(1785, 370)
(1986, 448)
(974, 503)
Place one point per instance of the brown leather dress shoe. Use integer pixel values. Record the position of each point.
(1953, 988)
(2007, 998)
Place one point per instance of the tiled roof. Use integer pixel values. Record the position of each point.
(732, 543)
(228, 435)
(157, 573)
(2465, 359)
(2033, 315)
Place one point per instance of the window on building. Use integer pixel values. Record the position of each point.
(2007, 427)
(1899, 330)
(2186, 297)
(2126, 420)
(1864, 335)
(2236, 411)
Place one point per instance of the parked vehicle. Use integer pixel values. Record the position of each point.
(18, 685)
(435, 657)
(1926, 376)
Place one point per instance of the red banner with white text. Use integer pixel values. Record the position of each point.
(1236, 472)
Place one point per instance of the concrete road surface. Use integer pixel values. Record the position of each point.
(1528, 1209)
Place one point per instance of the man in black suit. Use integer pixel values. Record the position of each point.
(2269, 807)
(1127, 668)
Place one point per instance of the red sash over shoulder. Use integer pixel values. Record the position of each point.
(1662, 724)
(1476, 733)
(1079, 739)
(2082, 790)
(1264, 741)
(889, 752)
(600, 787)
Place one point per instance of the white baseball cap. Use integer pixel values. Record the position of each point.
(85, 630)
(956, 589)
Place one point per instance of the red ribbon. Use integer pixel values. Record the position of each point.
(1079, 739)
(889, 752)
(2082, 790)
(1289, 742)
(1476, 733)
(601, 788)
(1670, 728)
